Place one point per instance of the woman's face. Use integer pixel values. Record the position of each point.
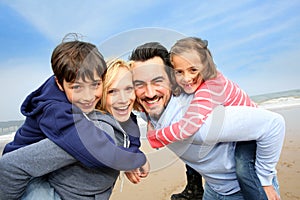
(187, 67)
(120, 95)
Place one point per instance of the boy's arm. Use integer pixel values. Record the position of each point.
(19, 166)
(201, 105)
(87, 143)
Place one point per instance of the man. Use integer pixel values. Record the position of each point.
(153, 94)
(152, 81)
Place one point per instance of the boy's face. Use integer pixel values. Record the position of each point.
(84, 94)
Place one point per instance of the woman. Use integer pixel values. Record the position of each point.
(68, 178)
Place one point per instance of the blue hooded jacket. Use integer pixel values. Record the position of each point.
(49, 114)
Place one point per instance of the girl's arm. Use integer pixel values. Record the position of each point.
(201, 105)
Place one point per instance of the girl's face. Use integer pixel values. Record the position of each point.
(187, 68)
(83, 94)
(121, 96)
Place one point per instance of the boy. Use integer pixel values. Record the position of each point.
(62, 110)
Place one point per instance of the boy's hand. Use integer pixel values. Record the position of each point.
(136, 175)
(271, 193)
(144, 170)
(133, 176)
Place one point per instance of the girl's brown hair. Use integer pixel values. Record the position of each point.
(72, 60)
(198, 45)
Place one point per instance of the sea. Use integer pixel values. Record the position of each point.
(278, 99)
(271, 101)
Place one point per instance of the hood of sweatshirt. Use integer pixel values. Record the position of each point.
(43, 96)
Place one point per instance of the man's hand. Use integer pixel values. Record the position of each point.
(271, 193)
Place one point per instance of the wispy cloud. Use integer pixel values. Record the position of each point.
(249, 39)
(92, 18)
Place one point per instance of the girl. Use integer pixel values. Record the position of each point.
(196, 73)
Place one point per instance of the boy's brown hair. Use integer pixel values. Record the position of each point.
(76, 59)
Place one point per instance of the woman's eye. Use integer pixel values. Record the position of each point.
(111, 91)
(129, 89)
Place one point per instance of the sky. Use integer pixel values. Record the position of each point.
(254, 43)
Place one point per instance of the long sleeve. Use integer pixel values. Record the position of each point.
(86, 142)
(19, 166)
(218, 91)
(133, 131)
(243, 123)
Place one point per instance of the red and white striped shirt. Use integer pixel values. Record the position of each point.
(211, 93)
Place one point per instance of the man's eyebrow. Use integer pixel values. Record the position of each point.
(158, 78)
(154, 79)
(138, 81)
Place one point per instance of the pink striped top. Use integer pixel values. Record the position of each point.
(211, 93)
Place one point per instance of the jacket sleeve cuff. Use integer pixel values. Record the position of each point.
(265, 180)
(154, 142)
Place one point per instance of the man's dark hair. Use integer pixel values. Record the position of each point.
(155, 49)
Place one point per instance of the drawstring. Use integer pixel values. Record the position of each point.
(122, 173)
(121, 178)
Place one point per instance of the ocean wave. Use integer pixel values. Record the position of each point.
(281, 102)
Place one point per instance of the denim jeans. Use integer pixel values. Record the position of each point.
(210, 194)
(39, 188)
(250, 185)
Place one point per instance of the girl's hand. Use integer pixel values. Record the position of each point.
(271, 193)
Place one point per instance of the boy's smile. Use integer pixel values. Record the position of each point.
(84, 94)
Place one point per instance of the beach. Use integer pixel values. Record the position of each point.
(168, 172)
(161, 183)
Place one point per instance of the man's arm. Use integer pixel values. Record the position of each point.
(19, 166)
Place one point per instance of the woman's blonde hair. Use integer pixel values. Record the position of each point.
(113, 66)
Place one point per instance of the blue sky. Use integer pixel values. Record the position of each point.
(254, 43)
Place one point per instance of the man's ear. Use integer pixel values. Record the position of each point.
(58, 84)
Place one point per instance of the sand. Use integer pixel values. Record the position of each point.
(161, 183)
(168, 173)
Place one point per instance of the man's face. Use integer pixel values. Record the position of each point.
(152, 85)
